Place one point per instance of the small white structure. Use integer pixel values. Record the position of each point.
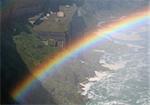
(51, 12)
(60, 14)
(47, 14)
(45, 42)
(32, 22)
(41, 19)
(33, 19)
(44, 18)
(67, 6)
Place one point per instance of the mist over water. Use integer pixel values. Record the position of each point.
(129, 84)
(113, 71)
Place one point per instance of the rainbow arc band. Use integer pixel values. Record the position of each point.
(47, 67)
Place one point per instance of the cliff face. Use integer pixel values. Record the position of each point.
(14, 15)
(13, 67)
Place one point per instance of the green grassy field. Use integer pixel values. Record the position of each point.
(31, 49)
(33, 52)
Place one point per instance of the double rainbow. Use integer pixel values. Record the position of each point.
(48, 66)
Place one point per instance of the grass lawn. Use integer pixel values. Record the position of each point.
(31, 49)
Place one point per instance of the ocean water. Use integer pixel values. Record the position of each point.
(128, 81)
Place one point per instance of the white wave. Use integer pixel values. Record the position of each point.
(83, 62)
(98, 76)
(116, 65)
(102, 61)
(85, 87)
(113, 103)
(113, 66)
(126, 37)
(135, 46)
(99, 51)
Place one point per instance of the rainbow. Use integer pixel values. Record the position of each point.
(46, 68)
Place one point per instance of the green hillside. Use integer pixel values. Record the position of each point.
(31, 49)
